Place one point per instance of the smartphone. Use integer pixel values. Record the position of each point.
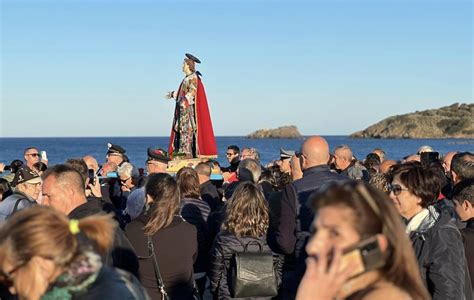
(91, 175)
(366, 256)
(7, 168)
(44, 156)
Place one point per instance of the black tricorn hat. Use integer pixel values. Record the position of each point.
(158, 154)
(193, 58)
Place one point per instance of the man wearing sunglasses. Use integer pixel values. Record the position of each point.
(32, 156)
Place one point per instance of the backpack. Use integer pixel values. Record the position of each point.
(252, 274)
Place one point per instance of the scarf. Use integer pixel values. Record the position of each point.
(79, 276)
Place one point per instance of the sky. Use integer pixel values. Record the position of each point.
(102, 67)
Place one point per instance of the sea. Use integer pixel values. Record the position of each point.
(60, 149)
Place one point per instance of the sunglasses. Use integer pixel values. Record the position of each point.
(124, 180)
(229, 154)
(396, 189)
(33, 154)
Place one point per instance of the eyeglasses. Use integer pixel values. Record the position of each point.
(229, 154)
(6, 278)
(33, 154)
(396, 189)
(124, 180)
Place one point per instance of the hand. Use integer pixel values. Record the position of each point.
(320, 281)
(226, 176)
(2, 167)
(170, 95)
(295, 166)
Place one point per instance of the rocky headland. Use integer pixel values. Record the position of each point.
(454, 121)
(284, 132)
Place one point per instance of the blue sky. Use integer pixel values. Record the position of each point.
(101, 68)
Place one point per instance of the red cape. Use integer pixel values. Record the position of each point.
(204, 137)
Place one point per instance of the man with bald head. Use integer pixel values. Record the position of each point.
(292, 217)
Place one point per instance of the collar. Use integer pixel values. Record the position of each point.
(316, 169)
(416, 220)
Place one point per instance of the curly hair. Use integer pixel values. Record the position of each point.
(247, 212)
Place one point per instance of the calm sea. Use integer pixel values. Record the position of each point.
(60, 149)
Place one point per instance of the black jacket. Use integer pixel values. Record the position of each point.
(468, 237)
(234, 165)
(121, 255)
(438, 248)
(210, 195)
(176, 251)
(196, 212)
(291, 219)
(225, 245)
(109, 285)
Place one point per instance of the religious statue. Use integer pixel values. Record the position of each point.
(192, 135)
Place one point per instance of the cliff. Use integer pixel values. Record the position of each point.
(454, 121)
(285, 132)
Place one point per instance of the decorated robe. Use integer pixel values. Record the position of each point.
(192, 134)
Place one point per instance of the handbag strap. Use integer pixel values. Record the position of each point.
(159, 279)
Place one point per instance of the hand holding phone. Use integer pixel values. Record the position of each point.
(44, 157)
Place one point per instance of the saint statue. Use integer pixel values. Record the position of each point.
(192, 135)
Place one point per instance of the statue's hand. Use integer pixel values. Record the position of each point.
(170, 95)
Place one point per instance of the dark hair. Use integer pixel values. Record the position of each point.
(374, 213)
(188, 183)
(278, 179)
(163, 189)
(423, 182)
(80, 166)
(4, 188)
(463, 165)
(40, 166)
(234, 148)
(203, 168)
(464, 190)
(29, 148)
(65, 174)
(371, 161)
(15, 165)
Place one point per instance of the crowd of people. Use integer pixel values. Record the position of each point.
(313, 224)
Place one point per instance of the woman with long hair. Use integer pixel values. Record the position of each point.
(196, 211)
(42, 257)
(356, 216)
(246, 224)
(174, 240)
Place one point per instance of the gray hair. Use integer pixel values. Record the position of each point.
(250, 169)
(128, 170)
(344, 147)
(254, 152)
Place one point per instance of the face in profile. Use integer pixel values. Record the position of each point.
(406, 203)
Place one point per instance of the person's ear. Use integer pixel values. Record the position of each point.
(383, 242)
(466, 206)
(149, 199)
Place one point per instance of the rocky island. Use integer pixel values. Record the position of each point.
(454, 121)
(284, 132)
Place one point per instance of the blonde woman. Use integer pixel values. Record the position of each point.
(42, 257)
